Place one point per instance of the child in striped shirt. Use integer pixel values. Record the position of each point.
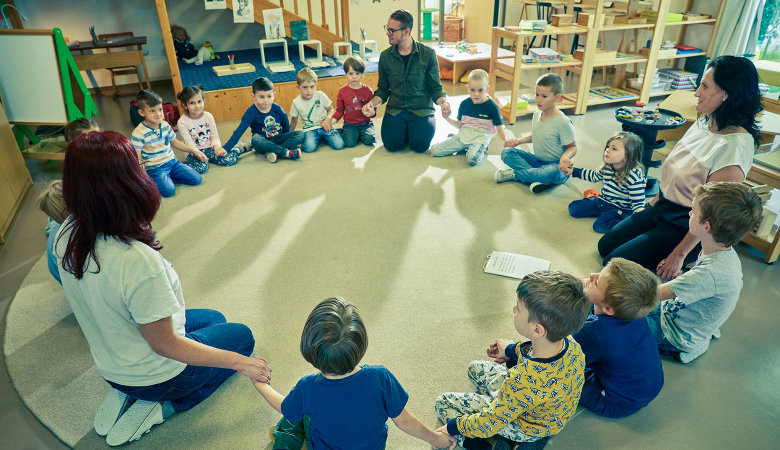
(153, 138)
(623, 192)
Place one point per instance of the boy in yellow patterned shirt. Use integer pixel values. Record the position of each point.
(536, 392)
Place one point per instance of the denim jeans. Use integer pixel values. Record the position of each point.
(453, 145)
(172, 172)
(664, 346)
(311, 139)
(530, 169)
(352, 133)
(277, 144)
(195, 383)
(407, 127)
(607, 215)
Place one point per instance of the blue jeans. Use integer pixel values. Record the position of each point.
(593, 399)
(173, 172)
(530, 169)
(277, 144)
(664, 346)
(352, 133)
(311, 139)
(607, 215)
(407, 127)
(195, 383)
(453, 145)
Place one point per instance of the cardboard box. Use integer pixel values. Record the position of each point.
(560, 20)
(627, 20)
(544, 55)
(602, 54)
(586, 20)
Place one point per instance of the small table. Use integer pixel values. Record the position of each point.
(109, 60)
(461, 62)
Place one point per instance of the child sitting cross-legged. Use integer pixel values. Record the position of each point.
(316, 111)
(345, 405)
(623, 192)
(478, 121)
(623, 372)
(153, 139)
(695, 304)
(271, 133)
(531, 397)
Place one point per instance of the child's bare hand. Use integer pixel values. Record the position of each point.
(369, 110)
(325, 124)
(219, 151)
(443, 440)
(566, 165)
(446, 110)
(511, 143)
(201, 156)
(497, 350)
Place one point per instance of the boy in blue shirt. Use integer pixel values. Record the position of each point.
(552, 135)
(345, 405)
(623, 372)
(533, 396)
(695, 304)
(478, 121)
(270, 127)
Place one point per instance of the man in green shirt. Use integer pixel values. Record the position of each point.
(409, 83)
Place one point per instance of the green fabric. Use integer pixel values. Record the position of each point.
(292, 436)
(415, 87)
(211, 50)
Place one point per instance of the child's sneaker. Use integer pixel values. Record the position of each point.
(115, 403)
(271, 157)
(504, 175)
(292, 154)
(137, 420)
(537, 187)
(243, 148)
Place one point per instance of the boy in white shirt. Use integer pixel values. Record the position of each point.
(316, 110)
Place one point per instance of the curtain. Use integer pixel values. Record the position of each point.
(738, 31)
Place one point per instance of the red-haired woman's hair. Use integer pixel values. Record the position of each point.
(107, 194)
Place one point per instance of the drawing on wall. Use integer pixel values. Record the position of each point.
(215, 4)
(274, 23)
(243, 11)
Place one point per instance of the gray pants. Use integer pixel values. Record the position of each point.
(487, 377)
(453, 145)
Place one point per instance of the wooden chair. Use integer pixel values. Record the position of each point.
(129, 70)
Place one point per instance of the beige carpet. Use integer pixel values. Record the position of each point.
(404, 236)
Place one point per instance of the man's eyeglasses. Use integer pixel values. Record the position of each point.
(391, 30)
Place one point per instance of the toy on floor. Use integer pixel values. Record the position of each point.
(590, 192)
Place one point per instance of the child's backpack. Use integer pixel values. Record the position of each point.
(170, 114)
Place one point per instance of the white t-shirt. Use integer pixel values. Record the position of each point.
(311, 110)
(551, 136)
(697, 155)
(135, 285)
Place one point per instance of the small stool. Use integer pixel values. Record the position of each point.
(370, 45)
(427, 23)
(312, 62)
(284, 66)
(340, 57)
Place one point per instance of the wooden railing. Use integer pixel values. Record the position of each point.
(319, 31)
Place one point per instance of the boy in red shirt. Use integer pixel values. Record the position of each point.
(350, 102)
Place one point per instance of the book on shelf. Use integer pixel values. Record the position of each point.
(612, 93)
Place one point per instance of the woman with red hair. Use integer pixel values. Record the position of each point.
(158, 357)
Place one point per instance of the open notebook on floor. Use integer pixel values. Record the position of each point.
(514, 265)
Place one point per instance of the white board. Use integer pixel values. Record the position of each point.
(30, 83)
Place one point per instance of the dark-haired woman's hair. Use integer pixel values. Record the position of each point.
(188, 92)
(108, 194)
(738, 77)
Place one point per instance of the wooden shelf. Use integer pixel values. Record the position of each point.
(565, 104)
(620, 61)
(626, 26)
(595, 99)
(682, 55)
(691, 22)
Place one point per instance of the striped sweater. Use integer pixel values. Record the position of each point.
(628, 195)
(154, 145)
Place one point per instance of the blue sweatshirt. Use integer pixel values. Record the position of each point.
(268, 125)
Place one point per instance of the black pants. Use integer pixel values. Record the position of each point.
(648, 236)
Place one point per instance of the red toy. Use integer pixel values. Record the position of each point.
(590, 193)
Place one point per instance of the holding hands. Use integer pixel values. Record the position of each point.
(257, 369)
(446, 110)
(201, 156)
(325, 123)
(497, 350)
(369, 110)
(219, 151)
(512, 142)
(566, 165)
(450, 441)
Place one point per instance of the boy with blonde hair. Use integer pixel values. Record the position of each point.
(623, 372)
(552, 135)
(695, 304)
(478, 121)
(314, 108)
(531, 397)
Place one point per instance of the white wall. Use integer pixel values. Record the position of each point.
(373, 16)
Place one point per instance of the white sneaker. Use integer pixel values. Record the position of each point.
(504, 175)
(271, 157)
(115, 403)
(137, 420)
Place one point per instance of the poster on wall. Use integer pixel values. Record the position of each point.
(274, 23)
(215, 4)
(243, 11)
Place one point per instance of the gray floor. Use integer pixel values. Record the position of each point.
(738, 389)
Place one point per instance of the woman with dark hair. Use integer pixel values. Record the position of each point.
(717, 147)
(158, 357)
